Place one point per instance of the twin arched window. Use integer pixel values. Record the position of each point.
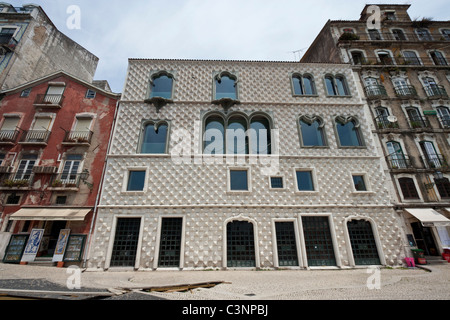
(303, 85)
(336, 86)
(237, 134)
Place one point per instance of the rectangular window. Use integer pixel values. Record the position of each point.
(25, 93)
(90, 94)
(276, 182)
(13, 199)
(61, 200)
(239, 180)
(71, 166)
(304, 181)
(136, 180)
(286, 244)
(170, 243)
(25, 169)
(359, 183)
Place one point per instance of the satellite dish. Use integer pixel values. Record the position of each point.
(392, 118)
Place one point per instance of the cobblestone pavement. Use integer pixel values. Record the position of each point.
(432, 283)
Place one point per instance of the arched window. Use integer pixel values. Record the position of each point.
(336, 86)
(444, 116)
(161, 86)
(396, 157)
(312, 132)
(415, 119)
(236, 134)
(348, 132)
(398, 34)
(214, 136)
(225, 86)
(443, 186)
(260, 135)
(154, 138)
(303, 85)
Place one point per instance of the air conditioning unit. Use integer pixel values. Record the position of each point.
(44, 169)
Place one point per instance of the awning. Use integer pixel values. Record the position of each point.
(50, 214)
(429, 217)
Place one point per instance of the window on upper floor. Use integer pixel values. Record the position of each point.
(136, 180)
(438, 58)
(25, 93)
(276, 183)
(237, 134)
(408, 188)
(358, 57)
(90, 94)
(374, 34)
(303, 85)
(390, 15)
(312, 132)
(225, 86)
(410, 57)
(443, 186)
(396, 158)
(154, 137)
(305, 181)
(385, 57)
(424, 34)
(359, 182)
(71, 168)
(431, 157)
(25, 168)
(444, 116)
(415, 118)
(336, 85)
(238, 180)
(398, 34)
(446, 34)
(349, 132)
(161, 85)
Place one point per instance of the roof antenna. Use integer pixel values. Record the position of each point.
(299, 53)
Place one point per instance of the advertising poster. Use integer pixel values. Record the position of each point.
(32, 246)
(61, 245)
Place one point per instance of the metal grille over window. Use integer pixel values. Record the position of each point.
(363, 243)
(125, 242)
(240, 244)
(286, 244)
(318, 242)
(170, 245)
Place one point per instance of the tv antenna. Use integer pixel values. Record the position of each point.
(298, 53)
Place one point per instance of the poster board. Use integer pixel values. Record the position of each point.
(15, 248)
(74, 248)
(33, 243)
(61, 245)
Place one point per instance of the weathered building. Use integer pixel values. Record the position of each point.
(31, 47)
(226, 164)
(403, 68)
(54, 134)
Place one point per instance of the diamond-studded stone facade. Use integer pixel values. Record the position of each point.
(198, 191)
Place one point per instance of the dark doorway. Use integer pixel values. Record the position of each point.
(125, 242)
(363, 243)
(240, 244)
(424, 239)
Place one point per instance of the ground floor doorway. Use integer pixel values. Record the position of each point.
(424, 239)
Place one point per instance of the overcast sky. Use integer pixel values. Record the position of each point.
(278, 30)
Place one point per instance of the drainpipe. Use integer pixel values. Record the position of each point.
(94, 216)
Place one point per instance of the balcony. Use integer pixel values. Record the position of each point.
(405, 91)
(386, 122)
(375, 91)
(65, 181)
(39, 137)
(436, 92)
(78, 138)
(445, 121)
(8, 42)
(49, 100)
(418, 122)
(435, 161)
(399, 162)
(16, 180)
(8, 137)
(391, 37)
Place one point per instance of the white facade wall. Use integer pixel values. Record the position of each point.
(197, 191)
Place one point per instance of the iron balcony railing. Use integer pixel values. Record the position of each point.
(436, 91)
(386, 122)
(435, 161)
(35, 136)
(49, 99)
(445, 121)
(78, 137)
(18, 179)
(375, 91)
(396, 161)
(386, 36)
(9, 136)
(419, 122)
(405, 91)
(66, 180)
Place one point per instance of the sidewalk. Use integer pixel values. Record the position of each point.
(347, 284)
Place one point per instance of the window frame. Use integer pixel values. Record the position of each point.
(400, 190)
(357, 125)
(154, 122)
(336, 90)
(366, 181)
(126, 178)
(231, 75)
(321, 127)
(156, 74)
(314, 181)
(249, 184)
(277, 176)
(302, 84)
